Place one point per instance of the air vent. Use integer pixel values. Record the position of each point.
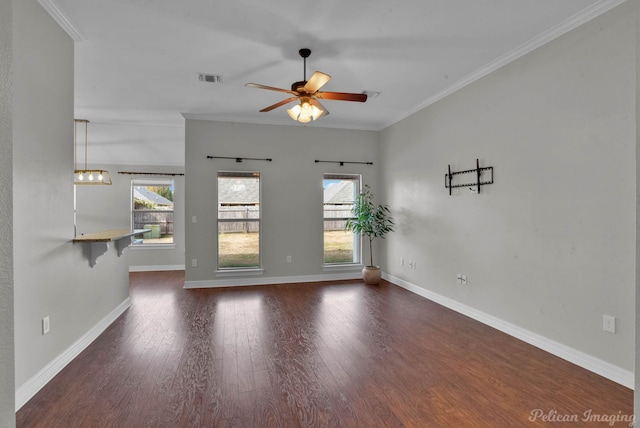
(210, 78)
(372, 94)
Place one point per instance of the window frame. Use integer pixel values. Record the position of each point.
(230, 271)
(356, 259)
(135, 182)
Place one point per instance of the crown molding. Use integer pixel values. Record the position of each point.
(575, 21)
(283, 121)
(60, 17)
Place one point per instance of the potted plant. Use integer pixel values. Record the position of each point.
(372, 221)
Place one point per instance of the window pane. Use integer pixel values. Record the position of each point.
(238, 220)
(340, 191)
(338, 244)
(238, 244)
(152, 204)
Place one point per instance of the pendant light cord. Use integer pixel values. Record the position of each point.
(86, 144)
(75, 144)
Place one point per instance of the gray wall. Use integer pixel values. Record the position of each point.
(108, 207)
(134, 143)
(550, 247)
(292, 180)
(637, 117)
(7, 361)
(52, 276)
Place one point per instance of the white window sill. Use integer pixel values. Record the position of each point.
(239, 272)
(345, 267)
(138, 247)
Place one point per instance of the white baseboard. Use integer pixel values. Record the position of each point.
(240, 282)
(155, 268)
(586, 361)
(31, 387)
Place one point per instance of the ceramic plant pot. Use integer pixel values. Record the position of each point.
(371, 275)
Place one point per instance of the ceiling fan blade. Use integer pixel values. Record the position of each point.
(270, 88)
(342, 96)
(316, 81)
(316, 103)
(281, 103)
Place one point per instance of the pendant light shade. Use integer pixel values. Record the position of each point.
(86, 176)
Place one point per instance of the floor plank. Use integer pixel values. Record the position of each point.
(334, 354)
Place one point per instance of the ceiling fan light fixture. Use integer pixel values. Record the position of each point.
(316, 112)
(304, 112)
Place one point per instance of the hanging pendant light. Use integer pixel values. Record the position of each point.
(86, 176)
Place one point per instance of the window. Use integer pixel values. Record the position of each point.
(340, 191)
(238, 220)
(152, 208)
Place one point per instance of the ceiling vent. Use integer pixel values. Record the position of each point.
(211, 78)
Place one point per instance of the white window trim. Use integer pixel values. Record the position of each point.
(231, 272)
(357, 247)
(139, 247)
(239, 271)
(342, 267)
(150, 182)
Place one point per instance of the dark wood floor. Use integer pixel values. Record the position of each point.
(313, 355)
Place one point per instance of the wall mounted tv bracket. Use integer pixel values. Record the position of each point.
(479, 173)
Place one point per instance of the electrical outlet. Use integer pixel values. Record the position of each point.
(194, 262)
(194, 219)
(401, 261)
(288, 259)
(45, 325)
(609, 323)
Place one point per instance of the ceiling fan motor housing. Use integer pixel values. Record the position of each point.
(295, 86)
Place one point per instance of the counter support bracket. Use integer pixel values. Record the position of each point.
(97, 244)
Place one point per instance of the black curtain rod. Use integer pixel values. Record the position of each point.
(237, 159)
(343, 162)
(150, 173)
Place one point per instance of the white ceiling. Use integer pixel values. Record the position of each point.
(137, 61)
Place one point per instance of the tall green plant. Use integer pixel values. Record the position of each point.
(370, 220)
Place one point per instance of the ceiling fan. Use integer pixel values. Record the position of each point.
(308, 92)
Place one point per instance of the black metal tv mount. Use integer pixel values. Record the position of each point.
(448, 177)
